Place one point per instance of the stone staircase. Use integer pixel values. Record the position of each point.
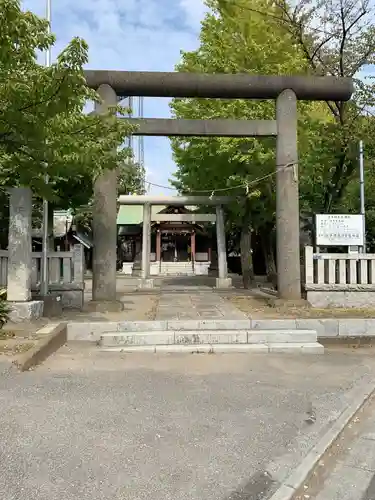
(208, 336)
(175, 268)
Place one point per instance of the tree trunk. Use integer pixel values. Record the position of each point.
(271, 266)
(267, 240)
(246, 256)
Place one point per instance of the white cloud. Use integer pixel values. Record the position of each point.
(143, 35)
(194, 11)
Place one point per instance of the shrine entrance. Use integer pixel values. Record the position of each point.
(175, 247)
(176, 240)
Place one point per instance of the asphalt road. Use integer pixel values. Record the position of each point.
(88, 425)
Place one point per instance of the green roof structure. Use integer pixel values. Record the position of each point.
(129, 215)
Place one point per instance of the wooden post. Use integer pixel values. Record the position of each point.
(192, 246)
(158, 245)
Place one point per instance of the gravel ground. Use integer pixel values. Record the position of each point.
(93, 425)
(259, 307)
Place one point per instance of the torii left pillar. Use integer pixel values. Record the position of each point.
(104, 224)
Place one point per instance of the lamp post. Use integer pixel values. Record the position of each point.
(44, 273)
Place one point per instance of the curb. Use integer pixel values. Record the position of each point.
(292, 484)
(54, 336)
(329, 330)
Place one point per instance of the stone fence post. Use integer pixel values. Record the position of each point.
(19, 245)
(78, 263)
(20, 258)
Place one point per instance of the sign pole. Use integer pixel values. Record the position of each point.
(44, 273)
(362, 192)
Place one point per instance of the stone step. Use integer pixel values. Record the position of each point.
(181, 324)
(272, 347)
(195, 337)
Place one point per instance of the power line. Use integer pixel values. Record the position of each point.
(244, 185)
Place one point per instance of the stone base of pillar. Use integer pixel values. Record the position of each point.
(223, 282)
(145, 284)
(25, 311)
(104, 306)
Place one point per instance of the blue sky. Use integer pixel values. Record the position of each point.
(143, 35)
(131, 35)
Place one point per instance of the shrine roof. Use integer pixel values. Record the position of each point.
(129, 215)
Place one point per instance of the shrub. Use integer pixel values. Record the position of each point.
(4, 307)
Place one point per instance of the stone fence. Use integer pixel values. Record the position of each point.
(65, 275)
(339, 279)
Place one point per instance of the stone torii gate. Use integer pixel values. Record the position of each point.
(148, 201)
(286, 90)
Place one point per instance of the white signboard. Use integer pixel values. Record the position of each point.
(339, 230)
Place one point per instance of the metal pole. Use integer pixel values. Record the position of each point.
(362, 192)
(44, 273)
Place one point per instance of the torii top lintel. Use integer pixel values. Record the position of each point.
(221, 86)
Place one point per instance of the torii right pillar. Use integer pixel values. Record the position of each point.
(287, 199)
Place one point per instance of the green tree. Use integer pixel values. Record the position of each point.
(43, 129)
(337, 38)
(232, 41)
(130, 180)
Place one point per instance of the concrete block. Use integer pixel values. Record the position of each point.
(283, 493)
(211, 337)
(52, 305)
(313, 348)
(352, 327)
(91, 332)
(214, 324)
(296, 348)
(141, 326)
(281, 336)
(72, 299)
(25, 311)
(370, 327)
(145, 284)
(323, 327)
(223, 282)
(137, 339)
(51, 338)
(273, 324)
(337, 298)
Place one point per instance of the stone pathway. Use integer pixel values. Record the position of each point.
(353, 477)
(195, 304)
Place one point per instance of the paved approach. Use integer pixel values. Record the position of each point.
(353, 475)
(196, 304)
(89, 425)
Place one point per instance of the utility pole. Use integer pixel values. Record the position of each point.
(44, 273)
(362, 192)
